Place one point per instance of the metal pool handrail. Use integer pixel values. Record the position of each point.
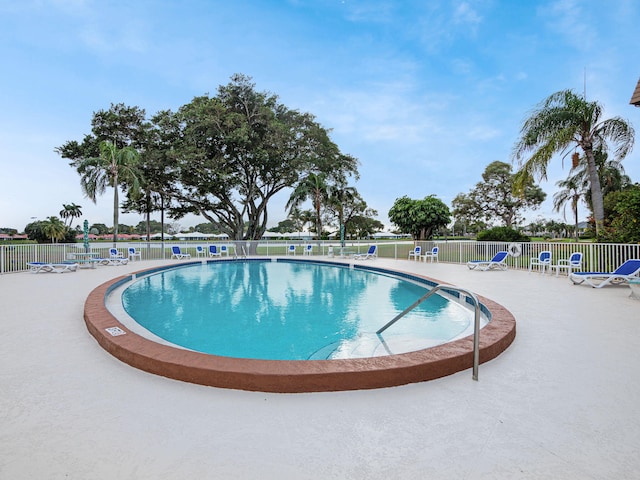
(476, 325)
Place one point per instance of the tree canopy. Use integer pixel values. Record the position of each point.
(222, 157)
(624, 210)
(242, 147)
(493, 198)
(420, 218)
(559, 124)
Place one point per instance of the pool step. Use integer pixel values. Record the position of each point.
(371, 345)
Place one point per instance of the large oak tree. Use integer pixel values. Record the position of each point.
(493, 198)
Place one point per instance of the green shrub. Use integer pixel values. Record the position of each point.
(502, 234)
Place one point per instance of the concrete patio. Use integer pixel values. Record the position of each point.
(561, 402)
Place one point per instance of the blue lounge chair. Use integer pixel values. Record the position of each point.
(574, 262)
(415, 253)
(308, 249)
(629, 270)
(200, 251)
(115, 258)
(432, 255)
(177, 253)
(497, 262)
(543, 260)
(224, 250)
(371, 253)
(213, 251)
(291, 250)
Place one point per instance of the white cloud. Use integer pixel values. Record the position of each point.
(484, 132)
(569, 20)
(465, 14)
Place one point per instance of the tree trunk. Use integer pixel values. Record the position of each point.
(597, 200)
(115, 213)
(575, 213)
(318, 221)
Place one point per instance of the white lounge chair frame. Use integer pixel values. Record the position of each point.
(133, 254)
(49, 267)
(629, 270)
(214, 251)
(114, 253)
(115, 258)
(496, 263)
(417, 251)
(372, 253)
(432, 255)
(574, 262)
(543, 260)
(177, 253)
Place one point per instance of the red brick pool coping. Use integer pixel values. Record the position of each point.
(301, 375)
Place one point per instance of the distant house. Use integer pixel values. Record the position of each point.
(635, 98)
(6, 236)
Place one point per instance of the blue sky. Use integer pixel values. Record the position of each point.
(424, 93)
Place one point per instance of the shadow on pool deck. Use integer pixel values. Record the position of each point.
(561, 402)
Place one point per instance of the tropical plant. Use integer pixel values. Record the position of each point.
(571, 192)
(339, 197)
(70, 212)
(54, 228)
(156, 160)
(306, 217)
(561, 123)
(313, 187)
(296, 221)
(624, 209)
(115, 167)
(610, 172)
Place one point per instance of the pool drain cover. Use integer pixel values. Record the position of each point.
(115, 331)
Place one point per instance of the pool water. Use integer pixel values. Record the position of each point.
(290, 310)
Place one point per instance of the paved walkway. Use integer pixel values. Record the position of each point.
(562, 402)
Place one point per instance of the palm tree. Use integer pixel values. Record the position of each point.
(114, 167)
(313, 187)
(560, 123)
(339, 195)
(307, 217)
(297, 218)
(54, 228)
(610, 172)
(69, 212)
(572, 191)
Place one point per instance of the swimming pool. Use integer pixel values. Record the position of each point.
(290, 310)
(154, 355)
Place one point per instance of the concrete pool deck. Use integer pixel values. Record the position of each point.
(561, 402)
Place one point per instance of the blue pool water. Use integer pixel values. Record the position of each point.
(289, 310)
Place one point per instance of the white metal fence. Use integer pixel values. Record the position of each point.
(596, 256)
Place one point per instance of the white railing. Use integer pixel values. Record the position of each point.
(596, 256)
